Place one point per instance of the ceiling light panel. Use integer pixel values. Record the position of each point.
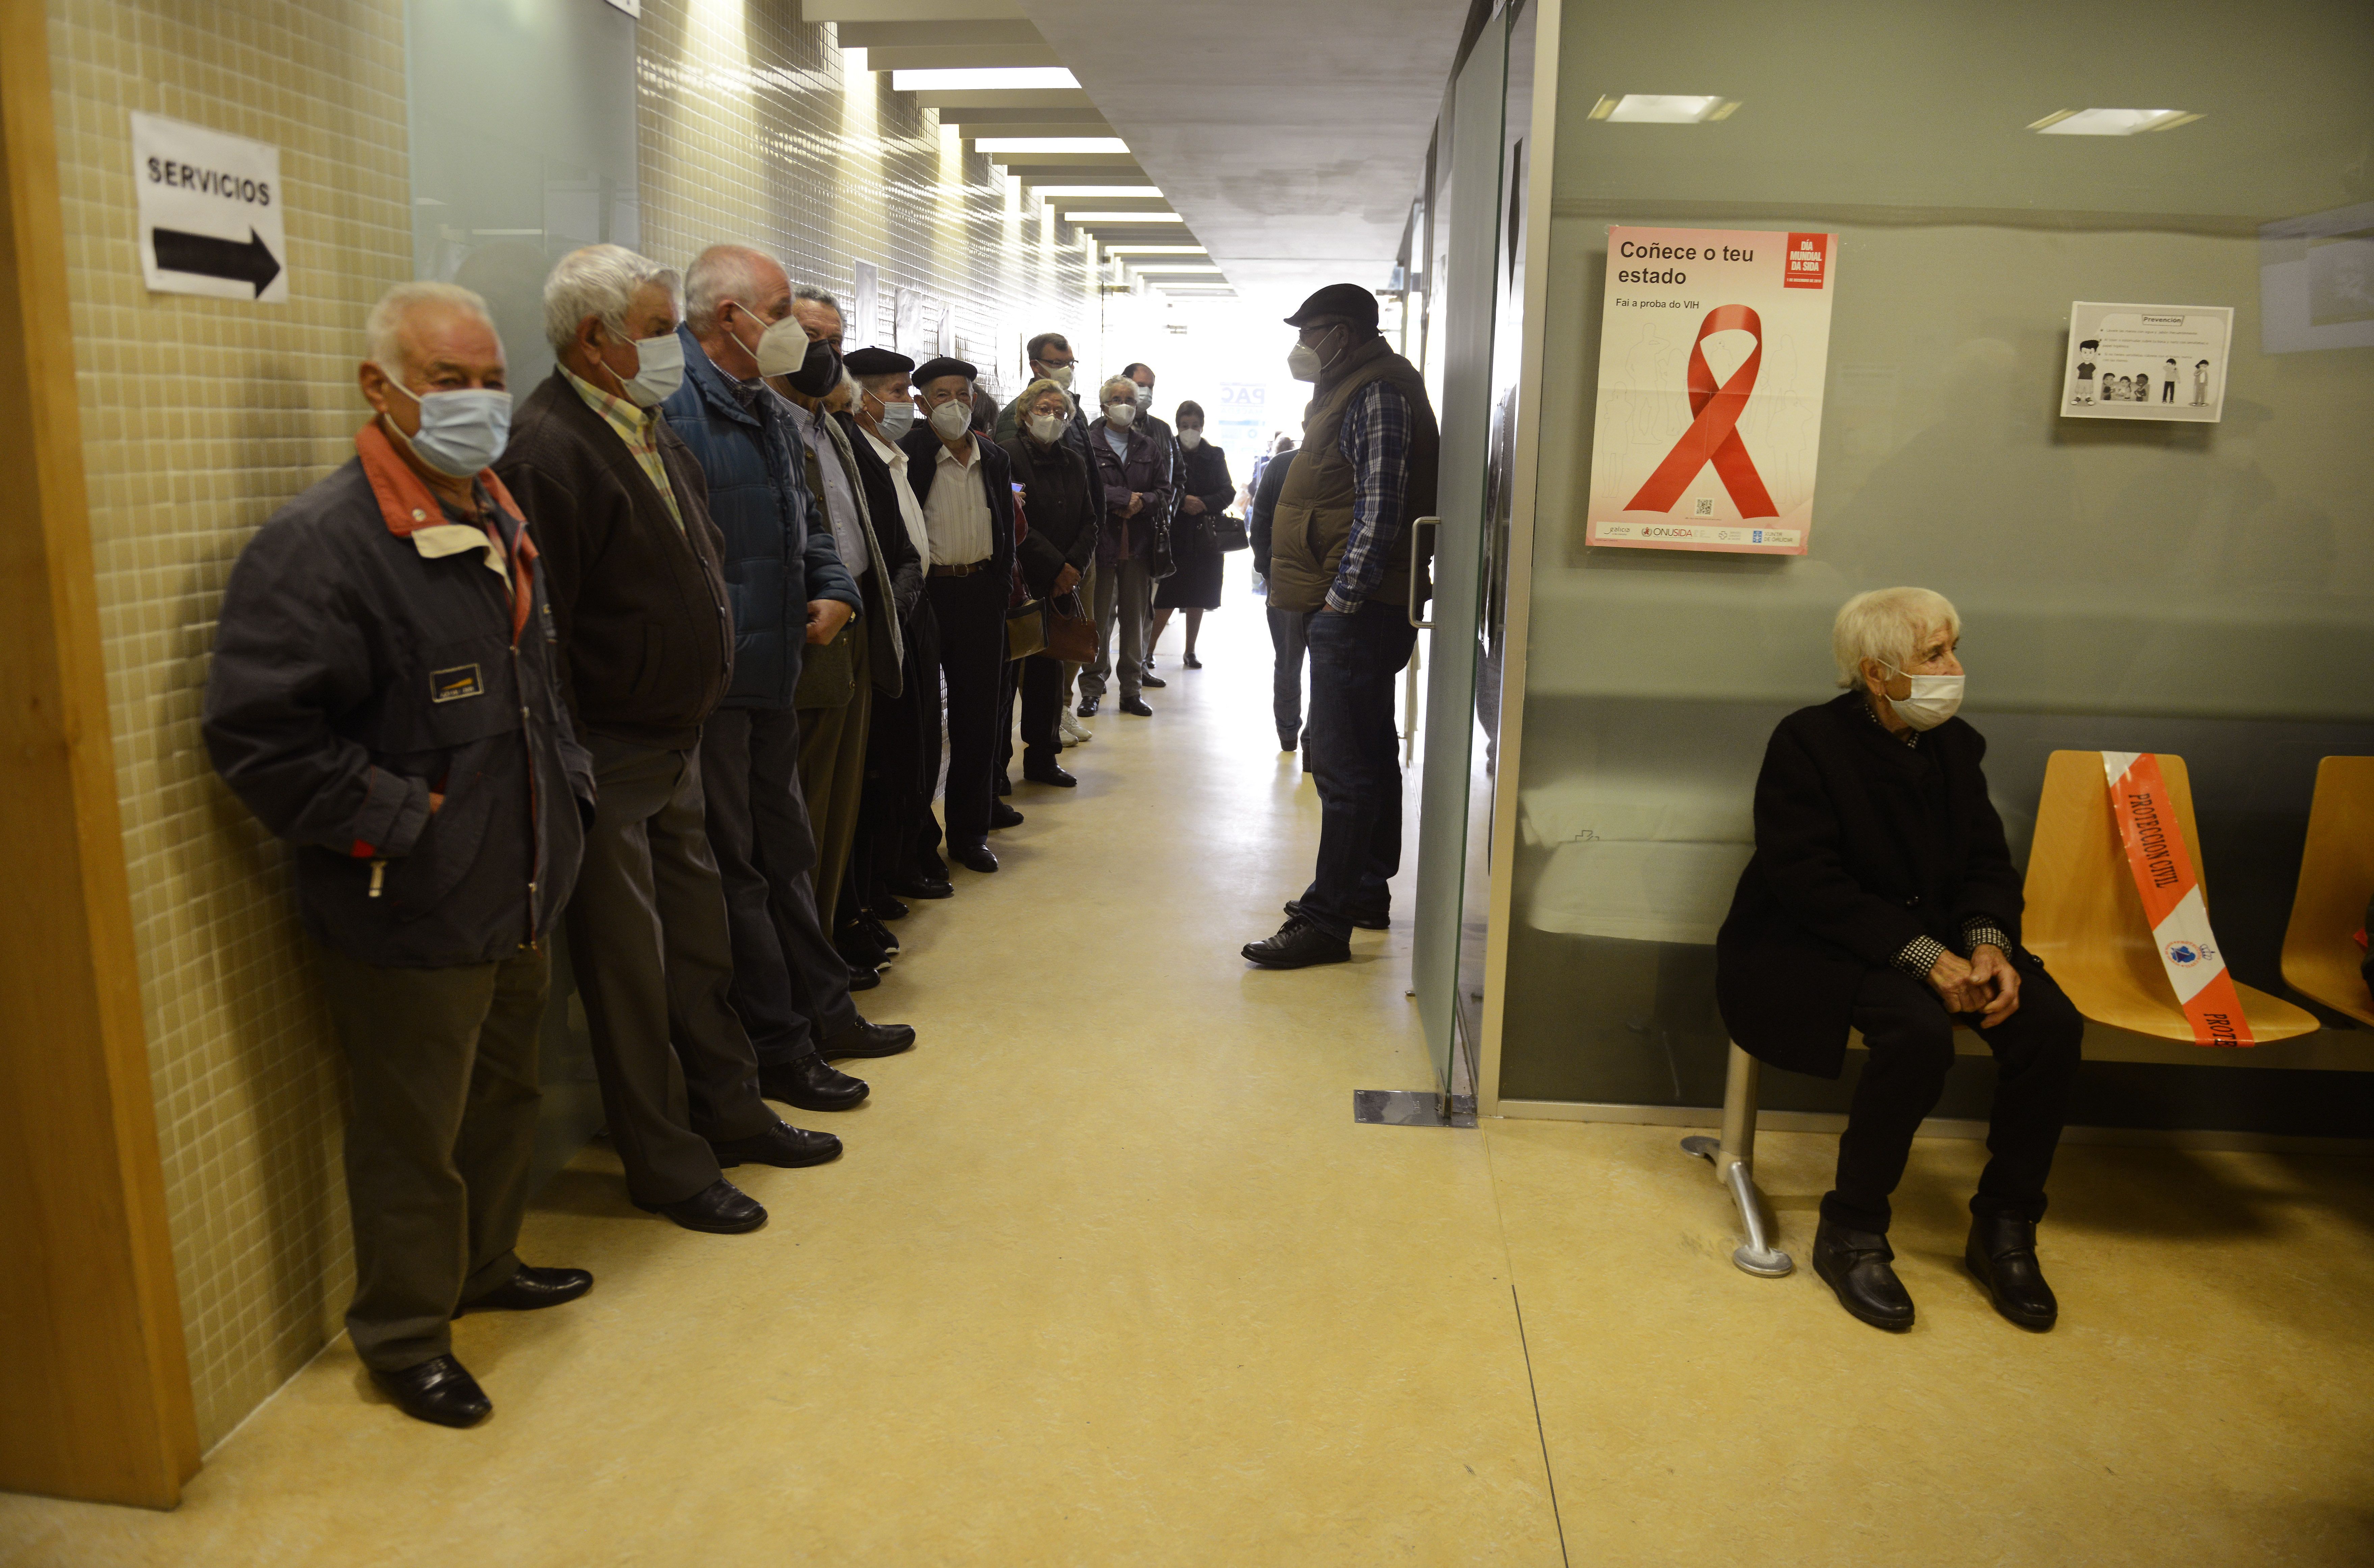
(1122, 217)
(2111, 122)
(1011, 78)
(1148, 191)
(1049, 144)
(1662, 109)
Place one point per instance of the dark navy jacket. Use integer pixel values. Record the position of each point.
(779, 550)
(357, 669)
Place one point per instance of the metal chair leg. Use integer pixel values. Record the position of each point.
(1733, 1156)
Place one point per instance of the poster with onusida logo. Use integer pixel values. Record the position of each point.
(1712, 353)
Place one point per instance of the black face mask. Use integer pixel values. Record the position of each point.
(818, 373)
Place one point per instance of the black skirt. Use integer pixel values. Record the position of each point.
(1196, 584)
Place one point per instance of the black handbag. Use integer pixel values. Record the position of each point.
(1229, 533)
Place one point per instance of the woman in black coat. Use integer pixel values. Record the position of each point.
(1205, 492)
(1063, 508)
(1882, 896)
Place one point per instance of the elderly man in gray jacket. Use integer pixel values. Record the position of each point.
(384, 696)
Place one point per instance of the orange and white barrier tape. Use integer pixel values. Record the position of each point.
(2171, 893)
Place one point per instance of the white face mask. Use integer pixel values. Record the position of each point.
(897, 419)
(1302, 362)
(1060, 375)
(952, 419)
(1934, 699)
(461, 431)
(1146, 397)
(783, 348)
(659, 370)
(1121, 414)
(1048, 428)
(1190, 439)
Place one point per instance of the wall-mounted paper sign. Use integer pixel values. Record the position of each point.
(210, 212)
(1712, 353)
(2146, 362)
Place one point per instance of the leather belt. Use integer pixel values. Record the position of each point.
(965, 571)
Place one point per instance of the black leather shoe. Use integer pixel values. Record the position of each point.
(864, 1039)
(1856, 1265)
(887, 908)
(2002, 1253)
(781, 1145)
(973, 857)
(1005, 785)
(878, 933)
(1088, 709)
(925, 887)
(1298, 945)
(1289, 740)
(530, 1289)
(437, 1390)
(1373, 919)
(1136, 705)
(810, 1084)
(1191, 662)
(860, 949)
(720, 1209)
(864, 979)
(1150, 682)
(1052, 773)
(1003, 815)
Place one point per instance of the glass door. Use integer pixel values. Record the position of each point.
(1464, 294)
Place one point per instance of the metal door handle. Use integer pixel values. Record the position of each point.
(1417, 569)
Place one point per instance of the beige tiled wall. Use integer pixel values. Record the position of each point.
(203, 415)
(200, 416)
(750, 130)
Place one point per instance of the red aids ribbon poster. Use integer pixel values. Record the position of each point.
(2149, 833)
(1712, 349)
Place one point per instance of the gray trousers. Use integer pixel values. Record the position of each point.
(654, 960)
(1124, 597)
(443, 1063)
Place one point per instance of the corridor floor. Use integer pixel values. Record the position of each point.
(1110, 1276)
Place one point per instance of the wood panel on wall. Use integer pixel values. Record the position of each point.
(95, 1387)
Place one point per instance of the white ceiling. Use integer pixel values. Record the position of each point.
(1290, 134)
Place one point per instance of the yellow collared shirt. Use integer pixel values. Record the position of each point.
(638, 428)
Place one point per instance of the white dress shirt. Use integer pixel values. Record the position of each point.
(957, 515)
(910, 511)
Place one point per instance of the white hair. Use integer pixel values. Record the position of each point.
(600, 281)
(721, 273)
(384, 328)
(815, 296)
(1888, 623)
(1112, 381)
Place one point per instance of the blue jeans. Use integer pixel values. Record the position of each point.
(1352, 746)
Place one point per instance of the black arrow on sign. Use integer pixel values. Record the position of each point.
(209, 257)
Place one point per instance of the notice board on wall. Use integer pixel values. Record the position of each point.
(1712, 348)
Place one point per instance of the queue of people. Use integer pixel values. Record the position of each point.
(664, 658)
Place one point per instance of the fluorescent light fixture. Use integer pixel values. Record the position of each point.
(1123, 217)
(1155, 251)
(2111, 122)
(1165, 269)
(1148, 191)
(1012, 79)
(1662, 109)
(1049, 144)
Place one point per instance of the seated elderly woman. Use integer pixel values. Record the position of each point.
(1882, 896)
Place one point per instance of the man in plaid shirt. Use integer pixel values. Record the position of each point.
(1342, 556)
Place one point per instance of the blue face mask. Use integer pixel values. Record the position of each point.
(461, 431)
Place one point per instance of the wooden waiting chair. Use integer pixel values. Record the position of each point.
(2336, 878)
(2086, 920)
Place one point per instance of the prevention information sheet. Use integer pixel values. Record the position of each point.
(1711, 355)
(2146, 362)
